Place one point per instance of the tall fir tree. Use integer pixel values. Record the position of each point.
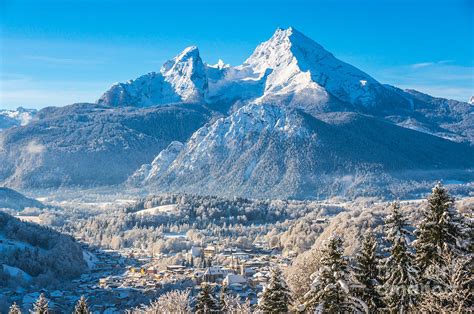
(14, 309)
(41, 305)
(332, 290)
(400, 280)
(81, 306)
(367, 274)
(440, 227)
(205, 301)
(276, 298)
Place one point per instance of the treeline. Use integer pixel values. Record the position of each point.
(202, 210)
(237, 220)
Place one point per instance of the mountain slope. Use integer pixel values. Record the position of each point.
(450, 119)
(269, 151)
(44, 255)
(12, 199)
(89, 145)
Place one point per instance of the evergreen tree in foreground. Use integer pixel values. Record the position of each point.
(400, 282)
(276, 298)
(41, 305)
(441, 226)
(81, 306)
(366, 272)
(205, 302)
(14, 309)
(332, 288)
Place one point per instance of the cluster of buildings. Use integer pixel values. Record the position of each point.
(123, 279)
(243, 273)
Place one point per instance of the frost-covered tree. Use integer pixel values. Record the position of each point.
(452, 290)
(441, 226)
(205, 301)
(297, 274)
(41, 305)
(366, 272)
(332, 290)
(276, 297)
(400, 280)
(81, 306)
(174, 301)
(233, 305)
(14, 309)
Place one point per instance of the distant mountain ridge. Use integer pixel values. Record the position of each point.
(91, 145)
(289, 121)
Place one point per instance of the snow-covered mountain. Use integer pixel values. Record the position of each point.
(291, 121)
(20, 116)
(288, 69)
(303, 74)
(294, 71)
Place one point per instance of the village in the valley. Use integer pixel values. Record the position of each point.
(122, 279)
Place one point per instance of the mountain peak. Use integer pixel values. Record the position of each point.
(284, 45)
(187, 75)
(189, 52)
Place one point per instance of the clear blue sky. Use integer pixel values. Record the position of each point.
(61, 52)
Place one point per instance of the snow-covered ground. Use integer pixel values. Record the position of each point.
(157, 210)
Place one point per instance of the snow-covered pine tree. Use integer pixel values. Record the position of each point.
(366, 272)
(400, 280)
(276, 297)
(81, 306)
(41, 305)
(332, 290)
(441, 225)
(14, 309)
(205, 301)
(451, 291)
